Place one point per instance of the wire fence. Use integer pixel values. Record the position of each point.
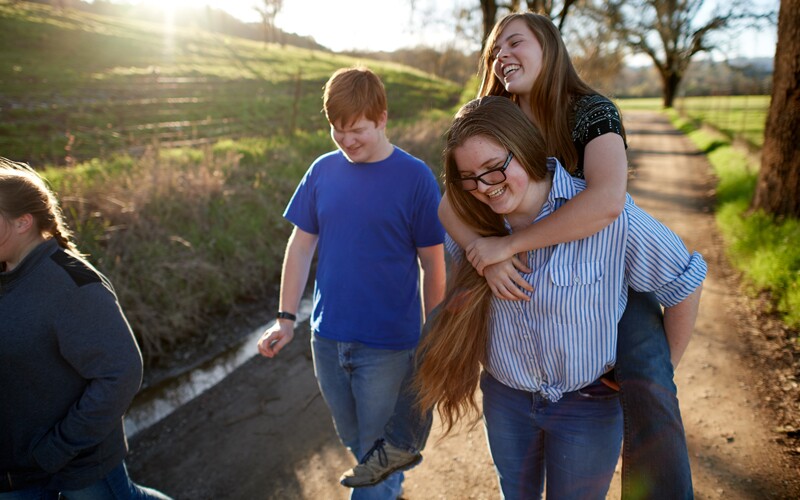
(741, 118)
(136, 112)
(105, 118)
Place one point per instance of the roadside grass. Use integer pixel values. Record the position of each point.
(763, 248)
(185, 234)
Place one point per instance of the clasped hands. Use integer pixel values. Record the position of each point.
(493, 260)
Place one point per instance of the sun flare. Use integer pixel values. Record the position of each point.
(168, 7)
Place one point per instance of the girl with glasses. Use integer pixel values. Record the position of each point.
(526, 61)
(551, 414)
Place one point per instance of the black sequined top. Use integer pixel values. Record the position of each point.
(593, 116)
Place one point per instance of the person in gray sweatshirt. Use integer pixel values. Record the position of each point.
(69, 363)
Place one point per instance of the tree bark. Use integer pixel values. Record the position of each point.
(670, 81)
(778, 187)
(489, 13)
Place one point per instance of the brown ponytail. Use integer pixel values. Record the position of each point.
(455, 349)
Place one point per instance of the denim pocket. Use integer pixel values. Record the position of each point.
(598, 390)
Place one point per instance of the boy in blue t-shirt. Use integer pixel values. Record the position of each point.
(371, 209)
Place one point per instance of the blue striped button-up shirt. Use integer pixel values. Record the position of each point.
(565, 337)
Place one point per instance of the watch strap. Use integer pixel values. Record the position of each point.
(286, 315)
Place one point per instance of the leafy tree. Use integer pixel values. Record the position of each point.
(778, 188)
(670, 32)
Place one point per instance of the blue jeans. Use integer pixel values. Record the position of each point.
(408, 428)
(655, 459)
(360, 385)
(574, 443)
(117, 485)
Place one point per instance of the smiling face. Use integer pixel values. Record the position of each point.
(362, 141)
(517, 56)
(478, 154)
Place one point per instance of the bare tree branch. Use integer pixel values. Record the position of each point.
(668, 32)
(268, 10)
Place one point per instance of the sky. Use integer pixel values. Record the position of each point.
(387, 24)
(354, 24)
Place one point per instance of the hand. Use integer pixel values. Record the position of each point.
(505, 281)
(486, 251)
(275, 338)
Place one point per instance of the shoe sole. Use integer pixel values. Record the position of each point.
(407, 466)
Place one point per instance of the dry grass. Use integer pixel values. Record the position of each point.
(186, 235)
(178, 235)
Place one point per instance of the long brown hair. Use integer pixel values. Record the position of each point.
(554, 91)
(23, 191)
(452, 353)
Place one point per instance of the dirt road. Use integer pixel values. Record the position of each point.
(265, 433)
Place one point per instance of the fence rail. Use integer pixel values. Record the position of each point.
(741, 118)
(124, 116)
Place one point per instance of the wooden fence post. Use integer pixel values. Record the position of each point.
(298, 93)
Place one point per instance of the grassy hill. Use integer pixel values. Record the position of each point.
(183, 148)
(82, 85)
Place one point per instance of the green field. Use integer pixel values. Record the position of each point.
(736, 117)
(739, 118)
(79, 86)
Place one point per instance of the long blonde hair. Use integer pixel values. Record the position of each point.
(452, 353)
(23, 191)
(554, 91)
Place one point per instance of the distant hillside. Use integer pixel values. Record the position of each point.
(203, 17)
(734, 77)
(79, 85)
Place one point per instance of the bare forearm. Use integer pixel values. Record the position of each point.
(679, 323)
(296, 268)
(582, 216)
(432, 292)
(606, 173)
(432, 269)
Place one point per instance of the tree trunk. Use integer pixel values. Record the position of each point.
(670, 84)
(489, 13)
(778, 188)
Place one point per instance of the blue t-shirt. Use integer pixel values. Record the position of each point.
(370, 218)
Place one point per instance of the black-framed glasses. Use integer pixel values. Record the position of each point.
(491, 177)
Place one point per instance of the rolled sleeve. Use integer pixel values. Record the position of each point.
(674, 292)
(657, 261)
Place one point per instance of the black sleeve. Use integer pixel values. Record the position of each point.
(595, 115)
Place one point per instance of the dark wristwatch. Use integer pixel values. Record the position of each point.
(285, 315)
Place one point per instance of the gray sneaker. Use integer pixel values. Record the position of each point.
(379, 462)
